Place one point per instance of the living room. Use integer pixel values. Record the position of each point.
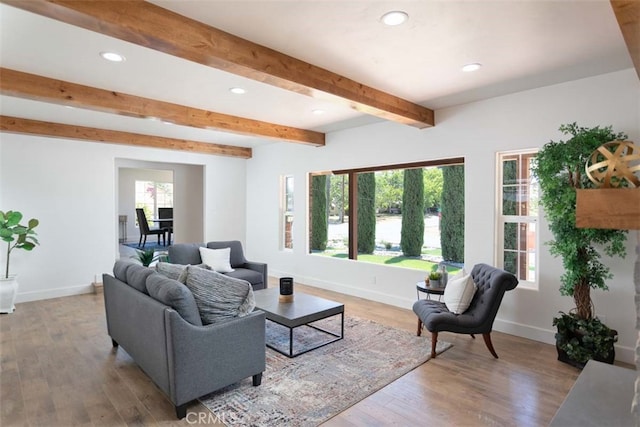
(71, 187)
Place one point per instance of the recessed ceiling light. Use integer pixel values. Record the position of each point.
(317, 111)
(112, 56)
(395, 17)
(471, 67)
(237, 90)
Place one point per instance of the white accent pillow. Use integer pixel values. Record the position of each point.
(459, 292)
(217, 259)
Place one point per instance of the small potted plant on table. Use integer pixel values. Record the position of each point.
(435, 279)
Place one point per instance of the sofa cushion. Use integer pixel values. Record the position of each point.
(217, 259)
(251, 276)
(185, 253)
(174, 294)
(218, 296)
(120, 269)
(137, 277)
(172, 271)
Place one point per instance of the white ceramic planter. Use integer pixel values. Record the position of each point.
(8, 292)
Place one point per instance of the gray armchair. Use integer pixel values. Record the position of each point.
(478, 319)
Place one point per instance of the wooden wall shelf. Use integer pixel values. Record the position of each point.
(614, 208)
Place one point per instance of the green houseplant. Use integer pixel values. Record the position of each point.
(434, 279)
(17, 236)
(560, 170)
(147, 256)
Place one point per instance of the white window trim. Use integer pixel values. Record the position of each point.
(501, 219)
(284, 213)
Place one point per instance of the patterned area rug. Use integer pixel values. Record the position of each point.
(315, 386)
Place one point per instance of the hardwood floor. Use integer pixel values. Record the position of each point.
(57, 368)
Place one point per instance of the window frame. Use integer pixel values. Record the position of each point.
(352, 193)
(156, 205)
(501, 219)
(287, 203)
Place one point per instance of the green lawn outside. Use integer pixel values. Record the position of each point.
(398, 261)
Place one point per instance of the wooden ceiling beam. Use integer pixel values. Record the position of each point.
(31, 86)
(628, 16)
(57, 130)
(151, 26)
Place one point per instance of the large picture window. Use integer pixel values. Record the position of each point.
(518, 215)
(406, 215)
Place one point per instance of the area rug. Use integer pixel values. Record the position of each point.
(313, 387)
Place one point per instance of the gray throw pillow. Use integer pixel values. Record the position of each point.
(219, 297)
(176, 295)
(172, 271)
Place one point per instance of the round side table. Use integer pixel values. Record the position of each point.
(428, 290)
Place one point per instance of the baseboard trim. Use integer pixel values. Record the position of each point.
(547, 336)
(348, 290)
(54, 293)
(623, 353)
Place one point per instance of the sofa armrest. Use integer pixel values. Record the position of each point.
(203, 359)
(261, 268)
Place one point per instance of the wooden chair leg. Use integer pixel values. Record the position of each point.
(434, 341)
(473, 336)
(419, 327)
(487, 341)
(140, 241)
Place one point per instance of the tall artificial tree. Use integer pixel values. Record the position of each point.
(412, 232)
(560, 170)
(366, 212)
(319, 220)
(452, 213)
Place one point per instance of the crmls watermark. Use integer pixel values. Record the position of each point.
(227, 418)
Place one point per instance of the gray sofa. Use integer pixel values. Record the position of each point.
(165, 337)
(253, 272)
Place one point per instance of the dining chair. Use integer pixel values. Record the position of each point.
(145, 230)
(166, 213)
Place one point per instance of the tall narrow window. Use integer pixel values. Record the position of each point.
(518, 215)
(287, 218)
(152, 195)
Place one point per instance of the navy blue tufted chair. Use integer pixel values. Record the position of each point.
(478, 319)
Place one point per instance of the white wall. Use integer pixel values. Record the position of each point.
(188, 200)
(70, 186)
(476, 131)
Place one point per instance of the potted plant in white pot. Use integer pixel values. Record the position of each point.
(17, 236)
(560, 169)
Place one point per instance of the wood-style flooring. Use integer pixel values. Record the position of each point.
(58, 368)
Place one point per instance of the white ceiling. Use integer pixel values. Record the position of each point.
(522, 44)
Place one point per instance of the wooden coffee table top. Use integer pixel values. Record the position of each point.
(304, 308)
